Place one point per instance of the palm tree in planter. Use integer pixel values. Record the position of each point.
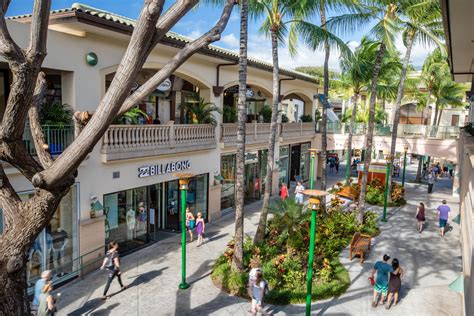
(386, 16)
(421, 23)
(283, 18)
(199, 111)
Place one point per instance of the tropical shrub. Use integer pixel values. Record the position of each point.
(55, 114)
(283, 255)
(306, 118)
(266, 113)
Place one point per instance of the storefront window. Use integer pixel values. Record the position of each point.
(283, 164)
(197, 195)
(228, 171)
(127, 218)
(56, 248)
(305, 161)
(172, 205)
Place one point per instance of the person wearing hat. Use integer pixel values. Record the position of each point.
(381, 282)
(443, 216)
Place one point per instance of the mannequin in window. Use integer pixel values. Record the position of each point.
(141, 218)
(60, 241)
(131, 221)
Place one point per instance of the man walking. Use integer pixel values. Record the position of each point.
(381, 282)
(443, 216)
(431, 181)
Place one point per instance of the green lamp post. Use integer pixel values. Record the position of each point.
(183, 186)
(404, 164)
(385, 193)
(314, 203)
(312, 153)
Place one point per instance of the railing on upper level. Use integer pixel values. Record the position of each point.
(132, 141)
(296, 130)
(57, 137)
(404, 130)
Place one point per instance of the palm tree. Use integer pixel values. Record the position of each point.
(447, 93)
(385, 13)
(199, 111)
(423, 24)
(434, 68)
(238, 258)
(281, 18)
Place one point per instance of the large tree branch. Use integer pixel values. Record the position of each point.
(133, 60)
(39, 31)
(8, 48)
(16, 154)
(35, 126)
(211, 36)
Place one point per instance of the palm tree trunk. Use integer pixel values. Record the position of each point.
(369, 138)
(324, 141)
(396, 118)
(439, 116)
(262, 223)
(237, 259)
(427, 118)
(351, 132)
(436, 115)
(418, 171)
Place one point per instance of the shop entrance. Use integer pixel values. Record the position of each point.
(295, 163)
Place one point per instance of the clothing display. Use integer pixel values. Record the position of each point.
(131, 222)
(60, 241)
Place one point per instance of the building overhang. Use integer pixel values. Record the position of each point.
(459, 30)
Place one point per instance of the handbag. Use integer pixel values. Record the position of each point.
(372, 280)
(192, 223)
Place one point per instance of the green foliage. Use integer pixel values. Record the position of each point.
(229, 114)
(131, 117)
(317, 115)
(55, 114)
(283, 255)
(284, 118)
(306, 118)
(266, 113)
(198, 111)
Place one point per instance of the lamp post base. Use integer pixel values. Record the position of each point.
(384, 220)
(183, 286)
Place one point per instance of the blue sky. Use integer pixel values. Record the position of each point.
(202, 18)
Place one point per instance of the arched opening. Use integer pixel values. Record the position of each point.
(164, 103)
(258, 100)
(296, 107)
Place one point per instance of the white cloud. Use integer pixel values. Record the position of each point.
(194, 34)
(230, 41)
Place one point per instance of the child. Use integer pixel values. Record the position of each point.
(190, 222)
(284, 191)
(200, 228)
(258, 291)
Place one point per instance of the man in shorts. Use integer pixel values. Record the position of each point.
(381, 282)
(443, 216)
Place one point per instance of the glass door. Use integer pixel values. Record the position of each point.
(155, 220)
(172, 205)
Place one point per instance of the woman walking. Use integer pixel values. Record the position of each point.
(200, 228)
(190, 223)
(258, 291)
(420, 217)
(395, 283)
(112, 263)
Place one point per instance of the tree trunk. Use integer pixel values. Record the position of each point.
(324, 140)
(237, 259)
(370, 131)
(426, 120)
(262, 223)
(418, 171)
(396, 118)
(440, 114)
(351, 132)
(435, 119)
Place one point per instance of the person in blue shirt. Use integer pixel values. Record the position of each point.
(383, 270)
(45, 277)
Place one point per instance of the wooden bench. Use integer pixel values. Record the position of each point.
(360, 244)
(349, 193)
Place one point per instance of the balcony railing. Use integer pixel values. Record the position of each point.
(132, 141)
(255, 133)
(404, 130)
(57, 137)
(296, 130)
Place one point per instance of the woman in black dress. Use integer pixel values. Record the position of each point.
(395, 283)
(420, 216)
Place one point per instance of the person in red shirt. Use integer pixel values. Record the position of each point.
(283, 191)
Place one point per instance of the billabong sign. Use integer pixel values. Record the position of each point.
(154, 170)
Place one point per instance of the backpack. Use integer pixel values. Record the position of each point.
(266, 289)
(109, 263)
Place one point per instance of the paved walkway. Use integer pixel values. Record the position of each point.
(153, 273)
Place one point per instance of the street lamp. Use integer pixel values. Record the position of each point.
(183, 186)
(312, 153)
(314, 203)
(385, 193)
(404, 164)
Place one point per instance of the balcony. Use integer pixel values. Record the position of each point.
(258, 133)
(137, 141)
(57, 137)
